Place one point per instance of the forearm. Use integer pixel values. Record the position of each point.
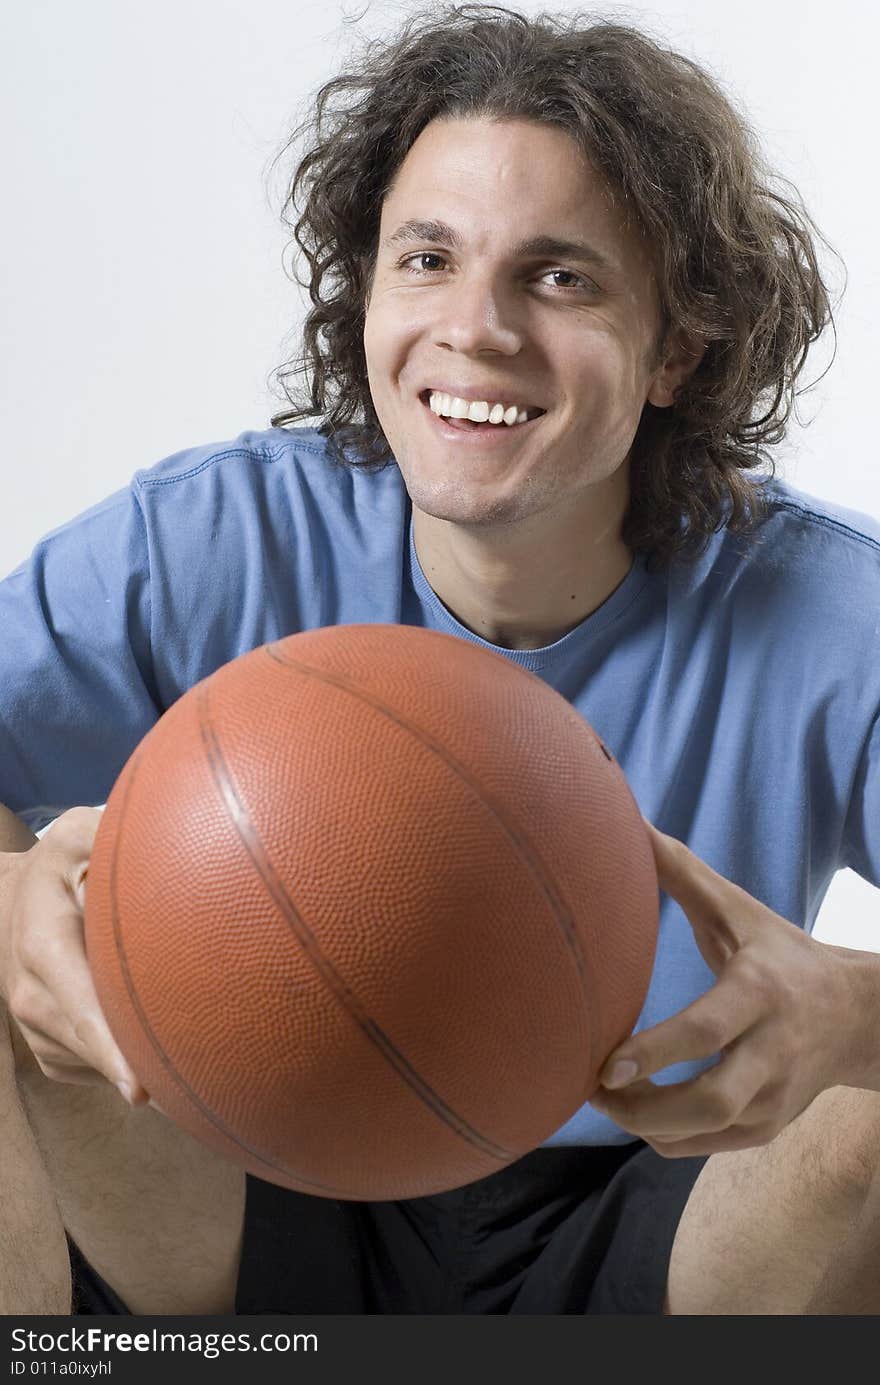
(34, 1260)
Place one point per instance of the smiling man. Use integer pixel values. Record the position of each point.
(558, 313)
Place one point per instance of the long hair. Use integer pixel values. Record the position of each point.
(735, 258)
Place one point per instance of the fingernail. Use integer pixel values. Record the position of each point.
(621, 1072)
(125, 1091)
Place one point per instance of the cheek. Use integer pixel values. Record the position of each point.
(384, 360)
(376, 355)
(393, 324)
(384, 348)
(607, 380)
(372, 341)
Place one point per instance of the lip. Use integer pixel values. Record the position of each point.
(493, 436)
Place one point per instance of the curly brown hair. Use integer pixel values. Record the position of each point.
(735, 260)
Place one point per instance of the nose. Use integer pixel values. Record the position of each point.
(476, 318)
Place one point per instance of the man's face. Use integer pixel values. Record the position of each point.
(488, 317)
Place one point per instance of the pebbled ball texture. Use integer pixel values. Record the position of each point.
(367, 910)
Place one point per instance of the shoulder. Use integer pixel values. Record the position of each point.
(814, 555)
(274, 481)
(801, 550)
(289, 483)
(253, 458)
(800, 588)
(832, 527)
(261, 535)
(795, 598)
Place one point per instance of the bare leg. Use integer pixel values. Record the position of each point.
(158, 1215)
(764, 1228)
(851, 1284)
(34, 1262)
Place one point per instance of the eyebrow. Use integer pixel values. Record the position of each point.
(544, 247)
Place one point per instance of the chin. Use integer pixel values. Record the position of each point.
(459, 506)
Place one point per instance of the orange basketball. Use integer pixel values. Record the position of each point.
(367, 910)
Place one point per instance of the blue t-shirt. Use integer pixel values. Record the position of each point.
(739, 692)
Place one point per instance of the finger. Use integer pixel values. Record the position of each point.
(74, 831)
(70, 841)
(76, 1022)
(708, 1104)
(705, 1027)
(736, 1137)
(48, 1053)
(72, 1076)
(90, 1038)
(46, 1049)
(54, 993)
(56, 1061)
(688, 879)
(716, 909)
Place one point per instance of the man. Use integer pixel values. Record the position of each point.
(552, 293)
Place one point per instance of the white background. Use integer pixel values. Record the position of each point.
(143, 302)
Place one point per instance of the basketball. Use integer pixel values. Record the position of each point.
(368, 908)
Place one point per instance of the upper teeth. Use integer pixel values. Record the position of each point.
(477, 410)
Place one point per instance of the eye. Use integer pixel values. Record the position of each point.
(410, 265)
(578, 284)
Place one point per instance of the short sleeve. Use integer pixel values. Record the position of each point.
(77, 691)
(861, 841)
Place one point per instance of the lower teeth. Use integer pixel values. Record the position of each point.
(469, 423)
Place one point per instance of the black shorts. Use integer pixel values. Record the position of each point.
(573, 1230)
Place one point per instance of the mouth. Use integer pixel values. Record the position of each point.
(494, 429)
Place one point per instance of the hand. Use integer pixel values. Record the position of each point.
(44, 973)
(788, 1015)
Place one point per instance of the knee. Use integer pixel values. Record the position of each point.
(839, 1140)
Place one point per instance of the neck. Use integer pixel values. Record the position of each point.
(524, 585)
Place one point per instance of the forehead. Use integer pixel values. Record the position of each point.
(512, 177)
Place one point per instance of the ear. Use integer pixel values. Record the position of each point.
(681, 355)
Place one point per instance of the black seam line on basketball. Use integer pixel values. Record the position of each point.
(175, 1076)
(525, 848)
(559, 909)
(336, 982)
